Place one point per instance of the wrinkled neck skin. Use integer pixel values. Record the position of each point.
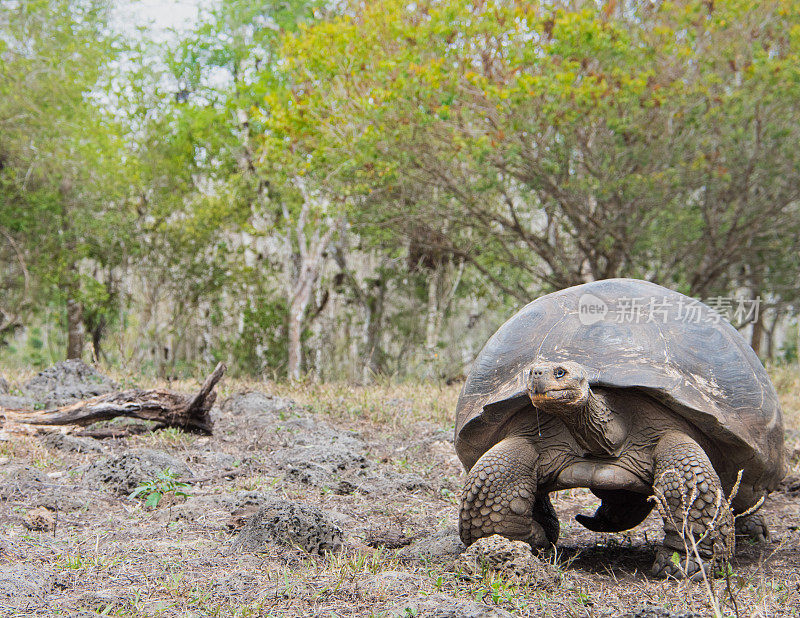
(595, 427)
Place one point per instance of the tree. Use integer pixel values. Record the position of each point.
(565, 143)
(222, 73)
(63, 208)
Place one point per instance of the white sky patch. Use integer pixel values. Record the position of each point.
(157, 17)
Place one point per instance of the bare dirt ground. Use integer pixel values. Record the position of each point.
(360, 489)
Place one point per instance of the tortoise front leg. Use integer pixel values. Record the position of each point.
(694, 506)
(500, 497)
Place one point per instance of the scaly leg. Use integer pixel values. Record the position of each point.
(695, 507)
(500, 497)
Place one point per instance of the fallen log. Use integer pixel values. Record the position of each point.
(160, 405)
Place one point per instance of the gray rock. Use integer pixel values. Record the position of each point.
(23, 587)
(217, 459)
(242, 499)
(394, 583)
(198, 508)
(73, 444)
(20, 480)
(66, 382)
(292, 524)
(647, 610)
(309, 431)
(258, 403)
(375, 482)
(318, 465)
(63, 498)
(15, 402)
(318, 454)
(102, 602)
(394, 482)
(444, 606)
(513, 560)
(439, 546)
(124, 473)
(4, 386)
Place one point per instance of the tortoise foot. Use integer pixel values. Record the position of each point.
(752, 527)
(670, 563)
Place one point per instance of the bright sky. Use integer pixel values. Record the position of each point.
(158, 15)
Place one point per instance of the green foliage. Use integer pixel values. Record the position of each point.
(569, 140)
(165, 484)
(260, 345)
(62, 178)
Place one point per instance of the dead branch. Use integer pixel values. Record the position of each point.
(163, 406)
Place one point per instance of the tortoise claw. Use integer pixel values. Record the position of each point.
(684, 567)
(752, 527)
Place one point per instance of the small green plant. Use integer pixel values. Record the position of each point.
(173, 437)
(500, 591)
(165, 484)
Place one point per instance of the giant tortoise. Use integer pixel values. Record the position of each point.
(635, 391)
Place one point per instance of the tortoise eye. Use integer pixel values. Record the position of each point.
(559, 373)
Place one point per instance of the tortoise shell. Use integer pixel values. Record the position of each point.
(635, 335)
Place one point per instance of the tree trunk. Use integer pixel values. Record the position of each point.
(770, 334)
(74, 329)
(97, 337)
(374, 320)
(308, 259)
(172, 409)
(432, 310)
(757, 333)
(297, 310)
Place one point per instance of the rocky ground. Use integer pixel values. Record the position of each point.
(321, 500)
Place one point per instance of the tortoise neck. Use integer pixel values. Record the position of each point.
(597, 428)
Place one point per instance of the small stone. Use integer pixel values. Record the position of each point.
(439, 546)
(66, 382)
(514, 560)
(124, 473)
(390, 583)
(40, 519)
(74, 444)
(258, 403)
(292, 524)
(445, 606)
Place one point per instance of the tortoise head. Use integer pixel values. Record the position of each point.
(556, 385)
